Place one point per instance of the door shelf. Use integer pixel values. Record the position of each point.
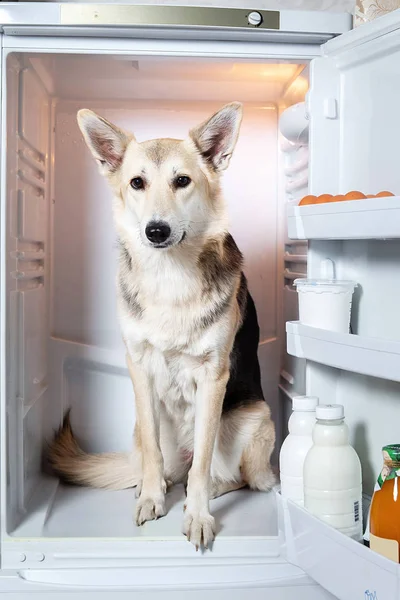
(344, 567)
(374, 218)
(368, 356)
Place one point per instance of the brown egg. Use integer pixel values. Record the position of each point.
(354, 195)
(324, 198)
(371, 196)
(310, 199)
(338, 198)
(384, 194)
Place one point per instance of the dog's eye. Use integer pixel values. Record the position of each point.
(182, 181)
(137, 183)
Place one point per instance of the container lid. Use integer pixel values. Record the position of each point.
(306, 403)
(330, 412)
(323, 282)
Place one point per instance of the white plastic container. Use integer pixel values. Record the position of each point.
(295, 447)
(332, 474)
(325, 303)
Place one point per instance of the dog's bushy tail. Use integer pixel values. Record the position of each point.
(114, 471)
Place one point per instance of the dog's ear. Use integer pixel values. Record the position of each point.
(216, 138)
(106, 142)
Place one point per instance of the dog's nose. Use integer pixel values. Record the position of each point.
(157, 232)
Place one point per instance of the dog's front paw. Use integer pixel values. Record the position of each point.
(149, 508)
(199, 528)
(151, 503)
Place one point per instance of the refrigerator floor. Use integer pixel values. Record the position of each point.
(81, 512)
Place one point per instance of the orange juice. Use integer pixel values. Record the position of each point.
(385, 507)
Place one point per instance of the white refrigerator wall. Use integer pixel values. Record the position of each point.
(27, 280)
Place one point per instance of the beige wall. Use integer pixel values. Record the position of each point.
(368, 10)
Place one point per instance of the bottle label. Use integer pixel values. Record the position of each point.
(356, 511)
(391, 467)
(387, 548)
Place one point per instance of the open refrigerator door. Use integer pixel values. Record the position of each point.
(354, 130)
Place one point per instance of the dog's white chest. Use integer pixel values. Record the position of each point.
(177, 390)
(167, 340)
(173, 375)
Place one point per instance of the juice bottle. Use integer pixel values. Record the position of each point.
(385, 507)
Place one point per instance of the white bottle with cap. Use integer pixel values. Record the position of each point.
(332, 474)
(295, 447)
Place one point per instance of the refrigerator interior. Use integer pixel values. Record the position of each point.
(65, 348)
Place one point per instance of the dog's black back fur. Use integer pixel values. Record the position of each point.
(244, 385)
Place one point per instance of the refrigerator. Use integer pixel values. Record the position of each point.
(159, 70)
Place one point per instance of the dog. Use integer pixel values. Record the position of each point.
(189, 325)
